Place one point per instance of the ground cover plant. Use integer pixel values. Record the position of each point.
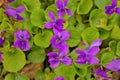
(59, 39)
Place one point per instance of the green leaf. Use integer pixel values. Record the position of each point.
(113, 45)
(14, 60)
(102, 3)
(118, 49)
(38, 18)
(104, 34)
(107, 57)
(98, 19)
(39, 75)
(1, 14)
(16, 76)
(31, 5)
(75, 37)
(115, 34)
(84, 6)
(81, 70)
(37, 55)
(43, 39)
(67, 71)
(90, 34)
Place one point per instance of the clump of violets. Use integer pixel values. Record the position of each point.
(1, 41)
(22, 40)
(62, 10)
(1, 56)
(101, 73)
(88, 55)
(59, 78)
(114, 65)
(15, 13)
(55, 24)
(113, 8)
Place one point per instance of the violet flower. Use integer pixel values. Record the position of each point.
(55, 24)
(113, 8)
(59, 39)
(10, 1)
(114, 65)
(54, 59)
(15, 13)
(62, 10)
(1, 56)
(102, 73)
(59, 78)
(22, 40)
(88, 55)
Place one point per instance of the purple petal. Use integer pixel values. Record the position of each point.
(63, 49)
(66, 60)
(59, 4)
(93, 50)
(114, 65)
(26, 34)
(97, 42)
(52, 54)
(53, 60)
(92, 60)
(81, 59)
(23, 45)
(1, 41)
(81, 52)
(69, 12)
(65, 2)
(18, 33)
(109, 10)
(117, 10)
(61, 13)
(65, 35)
(102, 73)
(10, 1)
(55, 42)
(59, 24)
(18, 17)
(114, 3)
(11, 12)
(59, 78)
(49, 25)
(51, 15)
(20, 9)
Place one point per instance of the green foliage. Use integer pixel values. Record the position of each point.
(38, 17)
(43, 39)
(16, 76)
(64, 70)
(84, 6)
(37, 55)
(14, 60)
(90, 34)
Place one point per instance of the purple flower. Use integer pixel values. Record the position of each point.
(59, 39)
(55, 24)
(88, 55)
(22, 40)
(15, 13)
(1, 56)
(61, 8)
(1, 41)
(54, 59)
(114, 65)
(102, 73)
(59, 78)
(10, 1)
(113, 8)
